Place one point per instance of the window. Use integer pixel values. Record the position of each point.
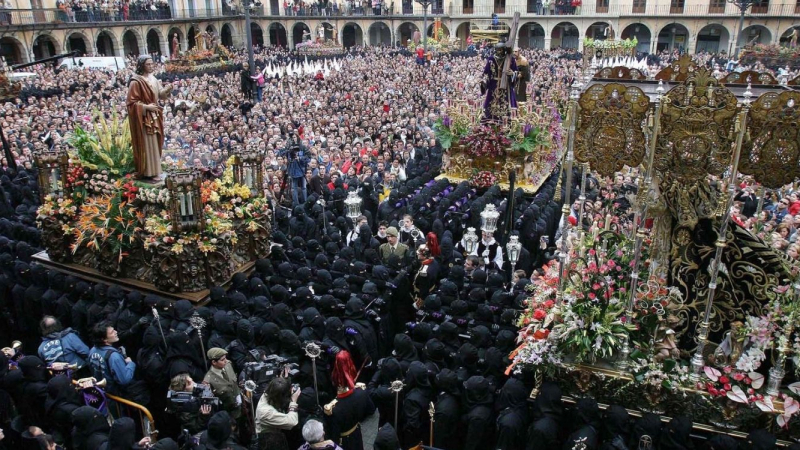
(499, 6)
(602, 6)
(640, 6)
(676, 7)
(716, 7)
(760, 7)
(468, 6)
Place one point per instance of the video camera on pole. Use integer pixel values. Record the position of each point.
(262, 372)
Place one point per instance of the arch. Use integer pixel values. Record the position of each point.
(130, 43)
(597, 31)
(257, 34)
(786, 37)
(642, 34)
(673, 36)
(352, 35)
(380, 34)
(445, 30)
(531, 35)
(190, 37)
(154, 40)
(106, 43)
(211, 29)
(297, 32)
(77, 41)
(405, 32)
(564, 35)
(13, 50)
(277, 35)
(45, 45)
(755, 34)
(226, 35)
(712, 38)
(462, 33)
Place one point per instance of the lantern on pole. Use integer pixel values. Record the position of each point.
(470, 240)
(353, 205)
(513, 249)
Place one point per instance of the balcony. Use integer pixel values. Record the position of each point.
(30, 17)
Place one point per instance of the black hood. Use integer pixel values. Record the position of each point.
(513, 395)
(386, 439)
(391, 370)
(477, 391)
(122, 435)
(417, 375)
(404, 348)
(354, 309)
(245, 333)
(219, 429)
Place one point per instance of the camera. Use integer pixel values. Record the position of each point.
(179, 402)
(263, 372)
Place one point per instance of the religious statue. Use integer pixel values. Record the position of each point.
(200, 40)
(175, 46)
(793, 38)
(321, 33)
(666, 345)
(146, 118)
(524, 77)
(609, 33)
(499, 100)
(306, 35)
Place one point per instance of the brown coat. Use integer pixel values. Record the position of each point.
(139, 94)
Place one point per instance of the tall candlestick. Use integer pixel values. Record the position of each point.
(189, 208)
(182, 201)
(608, 222)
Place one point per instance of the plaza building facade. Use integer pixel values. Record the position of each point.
(32, 29)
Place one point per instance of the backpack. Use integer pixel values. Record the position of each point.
(136, 391)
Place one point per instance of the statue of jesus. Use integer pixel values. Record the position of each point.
(146, 118)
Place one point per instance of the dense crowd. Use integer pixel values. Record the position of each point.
(393, 296)
(112, 11)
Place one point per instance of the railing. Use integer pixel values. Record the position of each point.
(558, 7)
(41, 16)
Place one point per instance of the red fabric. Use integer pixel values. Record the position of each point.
(344, 371)
(794, 208)
(420, 52)
(573, 221)
(433, 244)
(386, 108)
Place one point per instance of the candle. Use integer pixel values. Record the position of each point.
(595, 233)
(182, 200)
(189, 202)
(608, 222)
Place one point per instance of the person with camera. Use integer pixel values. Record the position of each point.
(223, 382)
(192, 415)
(276, 412)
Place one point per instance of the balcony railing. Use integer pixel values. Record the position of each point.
(57, 16)
(558, 7)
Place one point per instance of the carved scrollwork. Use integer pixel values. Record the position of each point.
(108, 261)
(697, 129)
(679, 70)
(772, 154)
(749, 77)
(55, 241)
(619, 73)
(166, 269)
(610, 133)
(218, 265)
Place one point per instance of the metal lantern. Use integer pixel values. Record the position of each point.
(543, 241)
(353, 205)
(470, 240)
(248, 170)
(513, 248)
(185, 202)
(53, 166)
(489, 218)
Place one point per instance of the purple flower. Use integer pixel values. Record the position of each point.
(447, 121)
(526, 129)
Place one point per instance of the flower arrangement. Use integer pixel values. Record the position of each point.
(100, 183)
(486, 141)
(218, 229)
(62, 210)
(107, 220)
(771, 51)
(76, 181)
(483, 179)
(626, 44)
(107, 149)
(159, 196)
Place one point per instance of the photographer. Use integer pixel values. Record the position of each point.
(297, 161)
(277, 411)
(192, 415)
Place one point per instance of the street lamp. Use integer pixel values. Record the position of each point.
(743, 6)
(425, 4)
(247, 4)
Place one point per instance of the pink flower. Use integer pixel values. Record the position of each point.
(592, 296)
(738, 376)
(596, 286)
(549, 304)
(539, 314)
(724, 380)
(727, 386)
(727, 369)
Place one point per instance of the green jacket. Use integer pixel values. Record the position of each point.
(226, 388)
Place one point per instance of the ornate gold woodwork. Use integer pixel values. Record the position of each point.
(248, 170)
(794, 81)
(609, 135)
(772, 154)
(697, 129)
(750, 77)
(620, 73)
(53, 166)
(680, 70)
(185, 204)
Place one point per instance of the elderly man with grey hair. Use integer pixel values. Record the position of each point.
(314, 434)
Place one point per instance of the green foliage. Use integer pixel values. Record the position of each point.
(108, 148)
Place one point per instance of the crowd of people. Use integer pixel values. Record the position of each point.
(112, 11)
(392, 296)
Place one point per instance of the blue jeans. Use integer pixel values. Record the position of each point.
(259, 92)
(298, 190)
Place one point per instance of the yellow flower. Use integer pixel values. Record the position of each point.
(177, 248)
